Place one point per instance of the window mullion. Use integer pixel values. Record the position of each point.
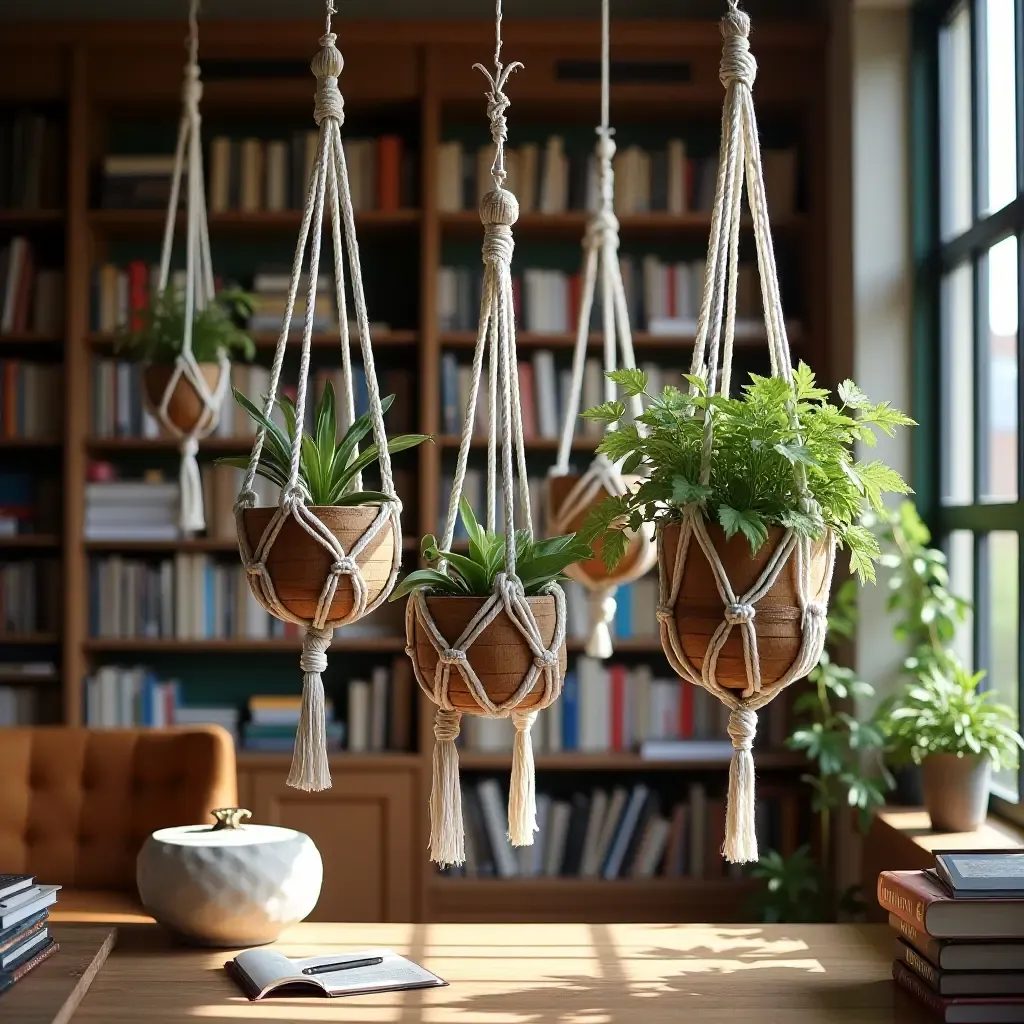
(979, 109)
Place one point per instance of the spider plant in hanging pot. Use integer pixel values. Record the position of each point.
(216, 340)
(329, 466)
(772, 482)
(454, 592)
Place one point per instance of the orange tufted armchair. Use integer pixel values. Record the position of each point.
(76, 804)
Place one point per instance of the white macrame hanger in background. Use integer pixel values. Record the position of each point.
(199, 288)
(329, 183)
(499, 210)
(601, 258)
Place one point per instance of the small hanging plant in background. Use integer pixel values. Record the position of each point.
(754, 483)
(328, 466)
(215, 329)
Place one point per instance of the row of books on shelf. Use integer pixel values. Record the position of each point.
(608, 834)
(377, 712)
(614, 708)
(29, 594)
(31, 400)
(253, 174)
(31, 297)
(18, 705)
(550, 178)
(119, 410)
(545, 390)
(661, 298)
(29, 503)
(31, 167)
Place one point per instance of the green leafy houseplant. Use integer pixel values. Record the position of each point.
(755, 481)
(327, 466)
(214, 328)
(538, 562)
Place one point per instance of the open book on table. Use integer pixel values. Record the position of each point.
(263, 971)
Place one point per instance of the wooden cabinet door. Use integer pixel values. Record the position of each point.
(362, 828)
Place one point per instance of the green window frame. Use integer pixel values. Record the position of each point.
(969, 293)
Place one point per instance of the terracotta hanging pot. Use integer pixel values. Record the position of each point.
(634, 562)
(299, 565)
(699, 610)
(500, 656)
(186, 406)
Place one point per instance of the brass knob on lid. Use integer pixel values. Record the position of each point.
(229, 817)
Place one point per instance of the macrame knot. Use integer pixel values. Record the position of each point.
(346, 566)
(499, 206)
(245, 499)
(327, 65)
(256, 568)
(189, 447)
(293, 496)
(738, 64)
(665, 613)
(498, 245)
(192, 89)
(452, 656)
(446, 725)
(497, 104)
(742, 728)
(603, 227)
(314, 650)
(739, 614)
(546, 659)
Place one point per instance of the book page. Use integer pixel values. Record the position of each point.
(394, 972)
(267, 968)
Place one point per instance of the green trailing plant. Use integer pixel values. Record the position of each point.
(327, 465)
(538, 562)
(756, 463)
(215, 328)
(942, 711)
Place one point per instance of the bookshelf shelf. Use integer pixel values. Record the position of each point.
(30, 338)
(29, 443)
(536, 444)
(30, 542)
(767, 760)
(339, 762)
(573, 223)
(262, 339)
(368, 644)
(641, 340)
(193, 545)
(28, 218)
(29, 639)
(255, 222)
(219, 445)
(28, 678)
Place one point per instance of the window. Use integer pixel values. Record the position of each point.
(969, 226)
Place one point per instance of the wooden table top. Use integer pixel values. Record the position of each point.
(527, 974)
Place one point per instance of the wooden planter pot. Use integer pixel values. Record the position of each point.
(500, 656)
(186, 404)
(299, 565)
(699, 610)
(594, 568)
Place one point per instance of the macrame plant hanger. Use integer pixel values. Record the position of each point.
(600, 258)
(499, 210)
(712, 359)
(199, 290)
(329, 182)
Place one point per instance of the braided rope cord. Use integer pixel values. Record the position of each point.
(328, 185)
(506, 460)
(199, 291)
(713, 354)
(600, 258)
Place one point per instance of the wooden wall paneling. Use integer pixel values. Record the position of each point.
(76, 387)
(361, 825)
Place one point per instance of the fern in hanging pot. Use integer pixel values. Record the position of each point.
(158, 342)
(455, 589)
(329, 472)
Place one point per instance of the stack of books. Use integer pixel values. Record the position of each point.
(31, 298)
(25, 940)
(138, 181)
(270, 289)
(960, 934)
(132, 510)
(274, 719)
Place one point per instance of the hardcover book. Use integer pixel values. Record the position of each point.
(965, 1010)
(981, 873)
(951, 955)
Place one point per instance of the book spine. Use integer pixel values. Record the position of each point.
(917, 937)
(899, 899)
(925, 970)
(910, 982)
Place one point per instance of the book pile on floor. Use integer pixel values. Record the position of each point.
(960, 934)
(25, 940)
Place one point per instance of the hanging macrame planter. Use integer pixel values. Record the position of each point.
(503, 655)
(743, 627)
(321, 567)
(185, 397)
(572, 495)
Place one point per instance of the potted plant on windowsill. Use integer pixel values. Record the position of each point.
(457, 586)
(216, 339)
(781, 463)
(328, 470)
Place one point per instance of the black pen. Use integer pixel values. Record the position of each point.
(345, 965)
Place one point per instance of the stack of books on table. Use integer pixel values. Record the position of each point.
(25, 940)
(274, 719)
(960, 934)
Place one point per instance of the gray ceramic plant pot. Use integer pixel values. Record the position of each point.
(956, 791)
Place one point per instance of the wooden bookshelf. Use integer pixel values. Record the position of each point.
(372, 824)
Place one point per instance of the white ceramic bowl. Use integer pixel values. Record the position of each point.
(229, 886)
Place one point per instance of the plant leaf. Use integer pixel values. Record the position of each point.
(747, 522)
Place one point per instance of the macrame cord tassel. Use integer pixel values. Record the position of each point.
(602, 607)
(309, 770)
(522, 791)
(740, 833)
(447, 836)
